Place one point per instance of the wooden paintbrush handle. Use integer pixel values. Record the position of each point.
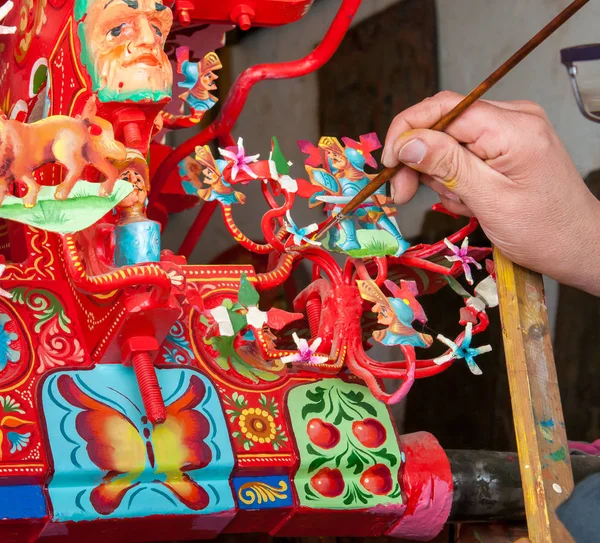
(469, 100)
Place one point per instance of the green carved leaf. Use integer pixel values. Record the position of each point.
(238, 321)
(80, 210)
(281, 163)
(247, 294)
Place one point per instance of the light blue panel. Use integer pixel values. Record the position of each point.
(111, 463)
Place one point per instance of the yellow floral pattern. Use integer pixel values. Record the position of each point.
(255, 425)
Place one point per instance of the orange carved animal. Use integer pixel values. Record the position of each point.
(73, 142)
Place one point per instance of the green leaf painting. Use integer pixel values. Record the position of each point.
(281, 163)
(80, 210)
(349, 454)
(247, 295)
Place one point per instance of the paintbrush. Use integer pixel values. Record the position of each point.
(385, 175)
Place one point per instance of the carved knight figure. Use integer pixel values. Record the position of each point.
(218, 188)
(199, 79)
(343, 178)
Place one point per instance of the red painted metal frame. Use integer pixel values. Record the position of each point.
(222, 126)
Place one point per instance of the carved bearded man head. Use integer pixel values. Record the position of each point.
(122, 43)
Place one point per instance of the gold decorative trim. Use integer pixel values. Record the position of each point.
(259, 492)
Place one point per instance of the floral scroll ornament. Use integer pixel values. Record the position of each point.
(58, 345)
(260, 492)
(12, 427)
(256, 425)
(32, 18)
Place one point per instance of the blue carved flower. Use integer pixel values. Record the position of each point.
(300, 235)
(464, 351)
(7, 353)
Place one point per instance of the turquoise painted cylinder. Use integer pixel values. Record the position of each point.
(137, 243)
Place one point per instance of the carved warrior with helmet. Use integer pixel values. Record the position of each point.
(199, 79)
(218, 189)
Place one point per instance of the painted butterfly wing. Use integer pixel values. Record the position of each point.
(113, 444)
(179, 445)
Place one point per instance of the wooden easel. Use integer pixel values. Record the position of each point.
(537, 410)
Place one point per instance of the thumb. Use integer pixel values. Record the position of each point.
(441, 157)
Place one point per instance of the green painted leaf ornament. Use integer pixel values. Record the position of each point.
(247, 294)
(80, 210)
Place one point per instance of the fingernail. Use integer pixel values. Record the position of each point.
(393, 192)
(413, 152)
(384, 156)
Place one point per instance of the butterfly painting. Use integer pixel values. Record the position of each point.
(124, 465)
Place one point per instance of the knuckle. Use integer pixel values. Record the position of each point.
(446, 165)
(446, 96)
(540, 129)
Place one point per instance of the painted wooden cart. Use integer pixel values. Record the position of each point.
(143, 398)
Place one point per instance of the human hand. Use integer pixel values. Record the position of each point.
(503, 163)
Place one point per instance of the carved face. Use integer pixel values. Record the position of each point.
(336, 160)
(210, 177)
(123, 44)
(383, 315)
(208, 80)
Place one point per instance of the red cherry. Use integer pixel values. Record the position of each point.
(377, 480)
(369, 432)
(323, 434)
(328, 482)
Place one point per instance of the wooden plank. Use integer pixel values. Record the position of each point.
(537, 412)
(490, 533)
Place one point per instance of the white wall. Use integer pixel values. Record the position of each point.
(476, 36)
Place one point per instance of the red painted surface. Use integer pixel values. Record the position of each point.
(427, 482)
(124, 316)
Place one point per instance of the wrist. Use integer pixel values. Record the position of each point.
(579, 266)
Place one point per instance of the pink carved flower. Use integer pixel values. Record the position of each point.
(237, 156)
(306, 353)
(461, 254)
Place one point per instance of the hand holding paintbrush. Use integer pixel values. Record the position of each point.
(385, 175)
